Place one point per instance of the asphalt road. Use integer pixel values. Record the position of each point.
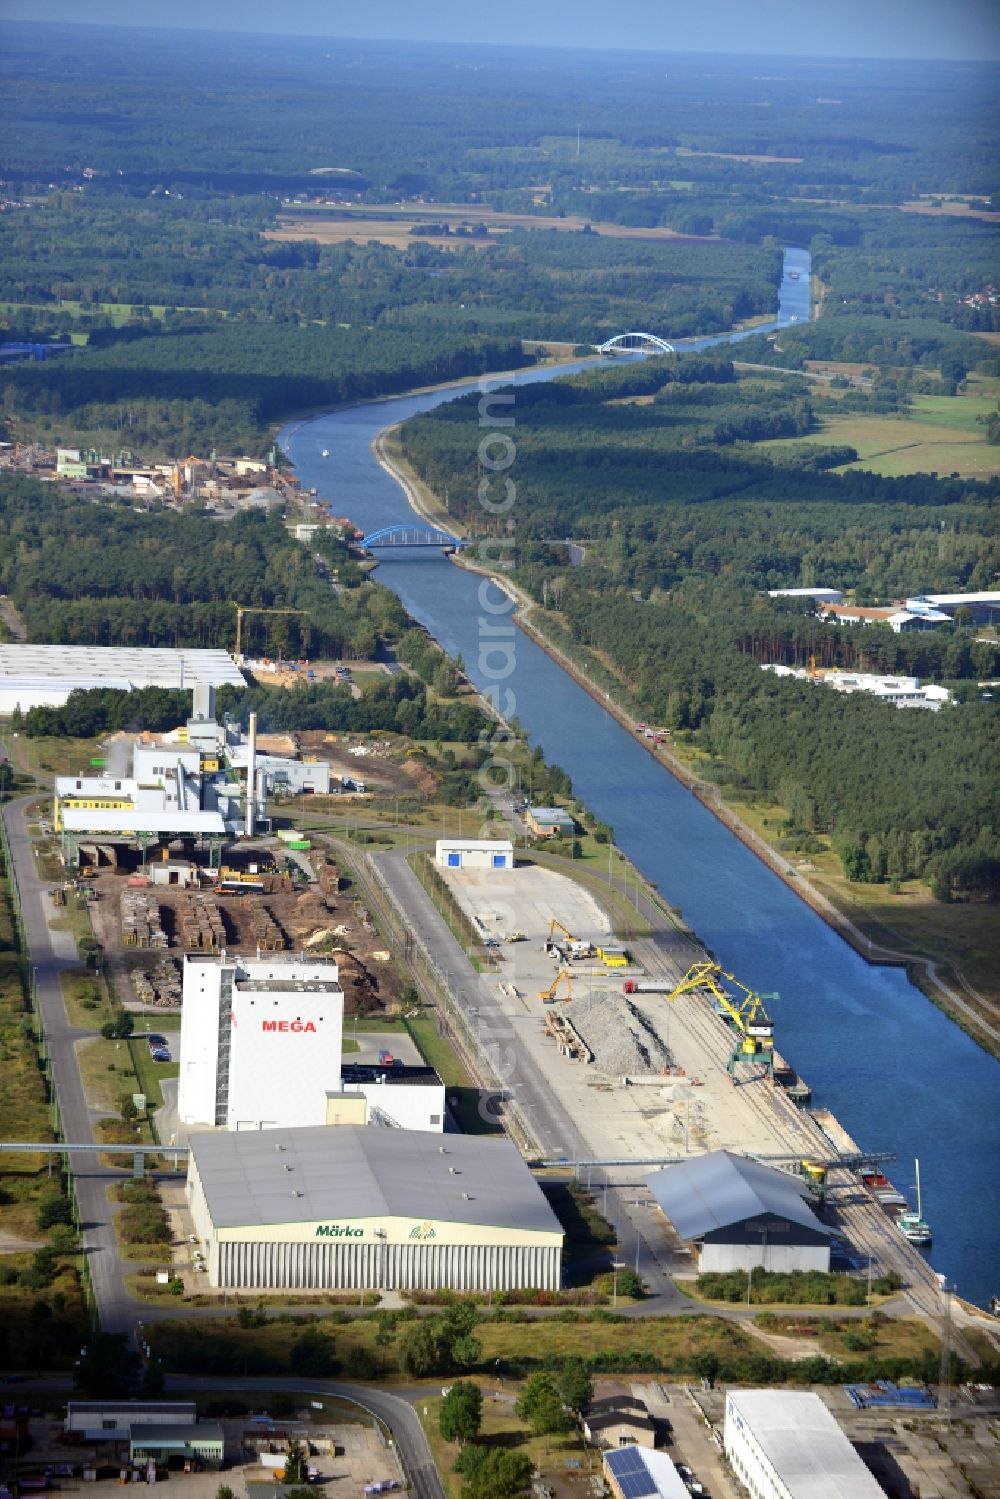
(50, 954)
(514, 1069)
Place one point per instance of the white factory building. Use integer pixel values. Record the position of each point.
(820, 595)
(358, 1209)
(901, 692)
(44, 675)
(261, 1041)
(474, 853)
(195, 782)
(786, 1444)
(740, 1215)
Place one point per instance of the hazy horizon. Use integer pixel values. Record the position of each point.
(888, 30)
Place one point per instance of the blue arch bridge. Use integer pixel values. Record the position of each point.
(411, 536)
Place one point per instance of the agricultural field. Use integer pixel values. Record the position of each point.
(941, 434)
(393, 227)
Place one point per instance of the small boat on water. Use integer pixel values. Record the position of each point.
(913, 1225)
(325, 453)
(793, 275)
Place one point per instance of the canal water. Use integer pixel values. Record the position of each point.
(895, 1071)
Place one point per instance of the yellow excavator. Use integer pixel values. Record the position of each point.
(569, 947)
(754, 1030)
(548, 996)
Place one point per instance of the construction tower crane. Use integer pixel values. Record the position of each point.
(547, 996)
(754, 1043)
(242, 609)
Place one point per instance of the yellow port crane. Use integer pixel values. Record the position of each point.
(242, 609)
(547, 996)
(754, 1030)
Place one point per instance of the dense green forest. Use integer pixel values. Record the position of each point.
(399, 705)
(682, 529)
(650, 464)
(137, 216)
(105, 574)
(387, 120)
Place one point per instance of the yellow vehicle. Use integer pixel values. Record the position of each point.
(548, 996)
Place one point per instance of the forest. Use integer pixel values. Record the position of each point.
(398, 705)
(682, 531)
(105, 574)
(649, 463)
(139, 216)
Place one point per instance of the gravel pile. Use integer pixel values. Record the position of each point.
(622, 1039)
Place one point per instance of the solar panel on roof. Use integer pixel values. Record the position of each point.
(630, 1472)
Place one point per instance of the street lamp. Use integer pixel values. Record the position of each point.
(616, 1266)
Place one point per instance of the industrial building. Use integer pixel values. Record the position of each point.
(635, 1472)
(740, 1215)
(901, 692)
(44, 675)
(393, 1096)
(787, 1444)
(820, 595)
(922, 616)
(261, 1040)
(474, 853)
(355, 1208)
(110, 1420)
(982, 608)
(204, 783)
(204, 1444)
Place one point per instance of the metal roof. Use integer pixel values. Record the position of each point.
(801, 1440)
(124, 821)
(639, 1473)
(189, 1434)
(352, 1172)
(720, 1189)
(139, 665)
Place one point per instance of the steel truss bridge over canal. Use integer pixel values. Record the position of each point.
(411, 536)
(636, 343)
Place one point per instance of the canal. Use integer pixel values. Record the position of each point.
(897, 1073)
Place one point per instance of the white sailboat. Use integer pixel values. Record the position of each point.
(914, 1225)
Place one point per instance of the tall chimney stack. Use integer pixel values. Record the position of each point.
(251, 773)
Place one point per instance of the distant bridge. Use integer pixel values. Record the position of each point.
(410, 536)
(636, 343)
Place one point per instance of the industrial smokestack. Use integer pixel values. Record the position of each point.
(251, 773)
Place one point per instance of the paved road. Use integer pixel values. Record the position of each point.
(514, 1069)
(50, 954)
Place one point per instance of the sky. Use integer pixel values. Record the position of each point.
(936, 29)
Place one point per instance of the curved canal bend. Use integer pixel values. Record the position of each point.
(897, 1073)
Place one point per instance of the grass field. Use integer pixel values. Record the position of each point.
(501, 1428)
(942, 435)
(118, 312)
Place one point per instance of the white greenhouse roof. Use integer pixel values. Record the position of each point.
(348, 1172)
(811, 1456)
(115, 666)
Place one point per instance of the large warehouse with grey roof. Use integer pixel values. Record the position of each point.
(740, 1214)
(361, 1208)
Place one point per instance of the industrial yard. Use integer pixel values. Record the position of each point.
(644, 1077)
